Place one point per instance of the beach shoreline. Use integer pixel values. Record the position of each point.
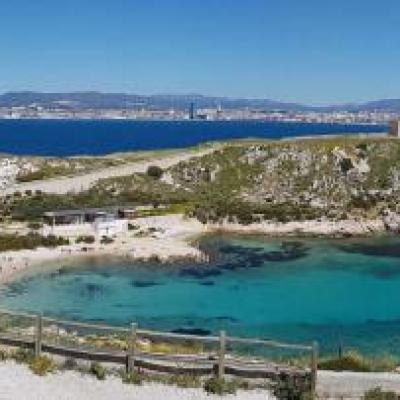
(172, 238)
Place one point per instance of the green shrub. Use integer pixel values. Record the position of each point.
(31, 241)
(155, 171)
(4, 355)
(133, 378)
(106, 240)
(23, 356)
(350, 361)
(42, 365)
(378, 394)
(346, 165)
(219, 386)
(35, 226)
(85, 239)
(98, 371)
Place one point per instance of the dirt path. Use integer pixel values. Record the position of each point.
(80, 183)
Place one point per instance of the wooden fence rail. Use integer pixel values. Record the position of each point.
(220, 361)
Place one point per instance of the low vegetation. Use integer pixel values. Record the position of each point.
(98, 371)
(379, 394)
(30, 241)
(42, 365)
(220, 386)
(354, 361)
(85, 239)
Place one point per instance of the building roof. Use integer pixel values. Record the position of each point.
(80, 212)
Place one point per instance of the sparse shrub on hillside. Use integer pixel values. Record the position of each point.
(98, 371)
(132, 378)
(85, 239)
(106, 240)
(346, 165)
(379, 394)
(42, 365)
(219, 386)
(155, 171)
(30, 241)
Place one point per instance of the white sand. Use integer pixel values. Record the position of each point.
(18, 383)
(170, 241)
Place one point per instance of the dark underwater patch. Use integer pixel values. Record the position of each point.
(234, 257)
(199, 272)
(385, 273)
(144, 284)
(225, 318)
(207, 283)
(92, 290)
(381, 250)
(15, 289)
(192, 331)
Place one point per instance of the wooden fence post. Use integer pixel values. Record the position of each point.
(132, 348)
(38, 335)
(221, 354)
(314, 368)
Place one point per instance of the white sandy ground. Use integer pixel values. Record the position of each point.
(18, 383)
(83, 182)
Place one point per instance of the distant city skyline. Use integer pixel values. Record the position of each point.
(314, 53)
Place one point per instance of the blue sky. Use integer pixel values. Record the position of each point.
(318, 52)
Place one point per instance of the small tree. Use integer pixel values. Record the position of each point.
(155, 171)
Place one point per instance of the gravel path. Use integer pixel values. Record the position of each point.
(79, 183)
(352, 385)
(18, 383)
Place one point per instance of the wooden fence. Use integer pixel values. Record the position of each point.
(71, 339)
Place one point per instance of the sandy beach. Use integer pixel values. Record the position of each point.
(171, 238)
(158, 238)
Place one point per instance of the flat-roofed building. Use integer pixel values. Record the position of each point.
(99, 221)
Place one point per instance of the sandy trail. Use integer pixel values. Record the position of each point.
(83, 182)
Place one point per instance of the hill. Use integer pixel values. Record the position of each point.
(98, 100)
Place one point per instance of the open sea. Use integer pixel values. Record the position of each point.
(98, 137)
(333, 291)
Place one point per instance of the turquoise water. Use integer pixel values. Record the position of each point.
(299, 290)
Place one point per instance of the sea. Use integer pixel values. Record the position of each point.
(62, 138)
(342, 293)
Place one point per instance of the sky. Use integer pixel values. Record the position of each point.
(309, 51)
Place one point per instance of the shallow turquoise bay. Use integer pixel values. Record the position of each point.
(332, 291)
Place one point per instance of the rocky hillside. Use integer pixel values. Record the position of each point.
(252, 181)
(335, 178)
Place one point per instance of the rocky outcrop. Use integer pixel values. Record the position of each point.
(392, 221)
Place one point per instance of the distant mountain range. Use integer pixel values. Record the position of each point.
(98, 100)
